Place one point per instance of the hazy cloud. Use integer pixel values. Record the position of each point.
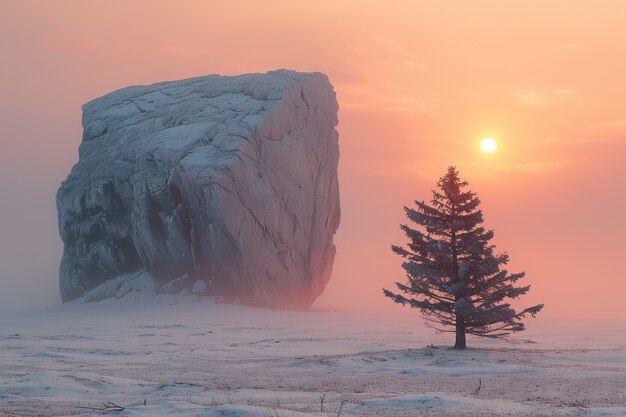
(614, 131)
(343, 76)
(392, 101)
(545, 96)
(391, 46)
(383, 39)
(616, 125)
(415, 65)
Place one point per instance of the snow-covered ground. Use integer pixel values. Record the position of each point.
(184, 356)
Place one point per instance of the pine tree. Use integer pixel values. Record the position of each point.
(454, 276)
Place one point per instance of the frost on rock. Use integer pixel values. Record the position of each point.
(199, 287)
(230, 180)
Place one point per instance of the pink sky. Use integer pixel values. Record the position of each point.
(418, 85)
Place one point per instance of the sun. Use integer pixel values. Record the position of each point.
(488, 145)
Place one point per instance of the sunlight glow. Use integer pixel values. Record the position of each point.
(488, 145)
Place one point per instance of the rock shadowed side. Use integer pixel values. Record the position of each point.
(228, 180)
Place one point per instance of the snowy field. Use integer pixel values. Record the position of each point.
(182, 356)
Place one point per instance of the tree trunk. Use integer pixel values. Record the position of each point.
(460, 333)
(459, 344)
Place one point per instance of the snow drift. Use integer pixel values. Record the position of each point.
(227, 184)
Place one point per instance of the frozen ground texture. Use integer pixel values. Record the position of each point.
(186, 356)
(226, 184)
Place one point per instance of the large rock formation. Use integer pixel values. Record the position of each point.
(227, 180)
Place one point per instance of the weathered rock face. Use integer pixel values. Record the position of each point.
(229, 180)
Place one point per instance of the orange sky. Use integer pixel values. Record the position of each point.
(418, 85)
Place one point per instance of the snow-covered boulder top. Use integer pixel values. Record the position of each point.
(231, 180)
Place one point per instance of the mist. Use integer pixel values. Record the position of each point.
(413, 101)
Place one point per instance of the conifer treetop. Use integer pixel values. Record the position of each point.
(454, 276)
